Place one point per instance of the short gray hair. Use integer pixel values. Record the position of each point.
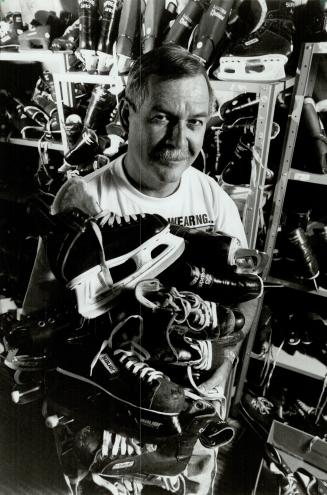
(168, 62)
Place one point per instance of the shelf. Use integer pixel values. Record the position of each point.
(304, 287)
(86, 78)
(251, 86)
(33, 143)
(298, 362)
(304, 176)
(33, 55)
(320, 48)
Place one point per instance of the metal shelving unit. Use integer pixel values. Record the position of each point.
(50, 145)
(303, 86)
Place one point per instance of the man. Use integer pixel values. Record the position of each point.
(165, 111)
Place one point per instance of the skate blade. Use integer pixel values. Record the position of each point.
(94, 297)
(261, 68)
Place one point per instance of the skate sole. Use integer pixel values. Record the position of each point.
(268, 67)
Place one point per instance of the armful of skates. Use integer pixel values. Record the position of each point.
(229, 354)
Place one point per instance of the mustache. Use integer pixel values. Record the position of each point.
(170, 154)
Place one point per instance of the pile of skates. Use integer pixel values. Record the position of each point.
(119, 375)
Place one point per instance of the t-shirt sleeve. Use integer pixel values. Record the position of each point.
(227, 218)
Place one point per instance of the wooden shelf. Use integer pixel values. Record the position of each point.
(33, 143)
(298, 362)
(304, 176)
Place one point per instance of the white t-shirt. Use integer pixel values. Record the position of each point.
(198, 202)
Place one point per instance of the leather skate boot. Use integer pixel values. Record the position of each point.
(129, 28)
(319, 244)
(221, 249)
(199, 319)
(247, 16)
(315, 138)
(239, 109)
(239, 170)
(69, 40)
(101, 105)
(295, 247)
(84, 151)
(88, 19)
(185, 22)
(108, 34)
(100, 255)
(228, 287)
(115, 390)
(263, 54)
(35, 38)
(151, 24)
(210, 30)
(8, 38)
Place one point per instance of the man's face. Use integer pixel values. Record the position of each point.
(166, 133)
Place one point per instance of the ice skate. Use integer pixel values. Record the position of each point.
(88, 18)
(108, 35)
(181, 30)
(151, 24)
(263, 54)
(8, 38)
(69, 40)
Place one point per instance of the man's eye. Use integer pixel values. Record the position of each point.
(195, 123)
(160, 119)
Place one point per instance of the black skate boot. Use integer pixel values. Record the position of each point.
(185, 22)
(84, 151)
(295, 247)
(88, 19)
(100, 255)
(221, 250)
(69, 40)
(201, 320)
(263, 54)
(108, 34)
(319, 244)
(228, 287)
(115, 390)
(315, 139)
(210, 30)
(239, 171)
(129, 28)
(151, 25)
(102, 103)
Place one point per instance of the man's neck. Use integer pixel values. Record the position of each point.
(161, 191)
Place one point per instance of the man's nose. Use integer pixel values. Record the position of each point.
(177, 134)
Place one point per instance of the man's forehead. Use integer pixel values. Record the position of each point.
(192, 91)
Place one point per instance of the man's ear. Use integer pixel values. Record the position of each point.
(124, 114)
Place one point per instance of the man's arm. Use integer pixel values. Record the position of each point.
(43, 291)
(228, 354)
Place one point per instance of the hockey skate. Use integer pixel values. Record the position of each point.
(108, 35)
(69, 40)
(221, 249)
(127, 35)
(151, 24)
(88, 18)
(101, 255)
(263, 54)
(199, 319)
(101, 105)
(181, 30)
(226, 287)
(37, 37)
(115, 390)
(210, 30)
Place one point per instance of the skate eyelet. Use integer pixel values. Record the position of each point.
(41, 323)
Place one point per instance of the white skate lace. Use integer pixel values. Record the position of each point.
(263, 405)
(290, 487)
(110, 218)
(131, 362)
(190, 309)
(121, 486)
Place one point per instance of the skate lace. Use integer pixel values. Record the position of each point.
(119, 486)
(132, 363)
(262, 405)
(291, 486)
(193, 310)
(107, 217)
